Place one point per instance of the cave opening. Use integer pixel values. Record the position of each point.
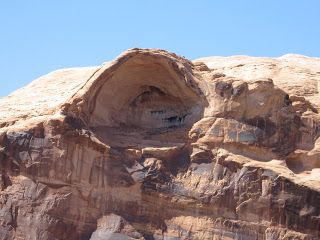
(144, 95)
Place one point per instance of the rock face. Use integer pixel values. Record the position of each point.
(154, 146)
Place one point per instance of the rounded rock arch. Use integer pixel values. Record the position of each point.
(146, 91)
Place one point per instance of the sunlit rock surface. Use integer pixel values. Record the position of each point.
(154, 146)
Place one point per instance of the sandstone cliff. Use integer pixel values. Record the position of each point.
(154, 146)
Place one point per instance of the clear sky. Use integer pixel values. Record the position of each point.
(38, 36)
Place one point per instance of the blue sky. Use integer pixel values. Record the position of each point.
(39, 36)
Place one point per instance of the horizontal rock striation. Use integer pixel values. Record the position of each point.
(154, 146)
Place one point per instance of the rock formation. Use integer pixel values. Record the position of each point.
(154, 146)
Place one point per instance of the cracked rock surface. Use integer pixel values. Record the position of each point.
(154, 146)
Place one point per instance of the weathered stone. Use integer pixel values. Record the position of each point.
(154, 146)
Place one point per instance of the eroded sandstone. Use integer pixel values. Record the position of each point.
(154, 146)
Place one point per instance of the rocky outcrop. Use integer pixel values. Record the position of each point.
(154, 146)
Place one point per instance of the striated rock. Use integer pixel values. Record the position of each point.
(154, 146)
